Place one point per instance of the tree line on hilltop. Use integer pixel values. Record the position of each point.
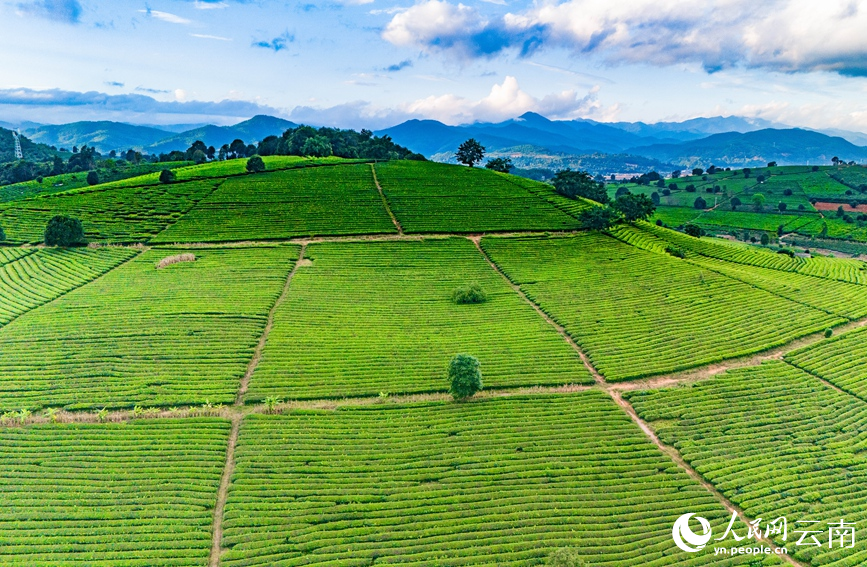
(300, 141)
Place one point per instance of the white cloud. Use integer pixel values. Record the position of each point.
(783, 35)
(211, 5)
(206, 36)
(166, 17)
(434, 24)
(505, 101)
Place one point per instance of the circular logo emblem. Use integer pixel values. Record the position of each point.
(688, 540)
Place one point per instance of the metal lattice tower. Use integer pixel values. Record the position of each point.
(18, 153)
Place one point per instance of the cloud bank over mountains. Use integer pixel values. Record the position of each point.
(780, 35)
(506, 100)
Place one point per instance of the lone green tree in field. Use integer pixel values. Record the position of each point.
(758, 201)
(255, 165)
(465, 376)
(470, 152)
(574, 184)
(92, 178)
(167, 176)
(503, 165)
(699, 203)
(64, 231)
(598, 218)
(634, 207)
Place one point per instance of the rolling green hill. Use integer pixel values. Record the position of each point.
(253, 369)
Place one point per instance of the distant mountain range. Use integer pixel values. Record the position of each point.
(531, 141)
(786, 147)
(107, 136)
(251, 131)
(104, 136)
(534, 141)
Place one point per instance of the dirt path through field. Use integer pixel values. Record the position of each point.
(615, 395)
(260, 347)
(223, 494)
(385, 201)
(709, 370)
(675, 456)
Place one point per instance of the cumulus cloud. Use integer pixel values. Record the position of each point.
(505, 101)
(68, 11)
(439, 25)
(781, 35)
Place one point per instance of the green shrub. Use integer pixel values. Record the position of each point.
(765, 239)
(465, 376)
(564, 557)
(469, 294)
(828, 333)
(64, 231)
(167, 176)
(255, 165)
(92, 178)
(692, 230)
(676, 252)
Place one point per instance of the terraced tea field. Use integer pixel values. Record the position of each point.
(811, 287)
(502, 482)
(431, 197)
(655, 238)
(839, 360)
(67, 181)
(33, 277)
(572, 207)
(303, 202)
(334, 443)
(638, 313)
(179, 335)
(378, 317)
(132, 214)
(777, 442)
(228, 168)
(110, 495)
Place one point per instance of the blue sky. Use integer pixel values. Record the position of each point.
(375, 63)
